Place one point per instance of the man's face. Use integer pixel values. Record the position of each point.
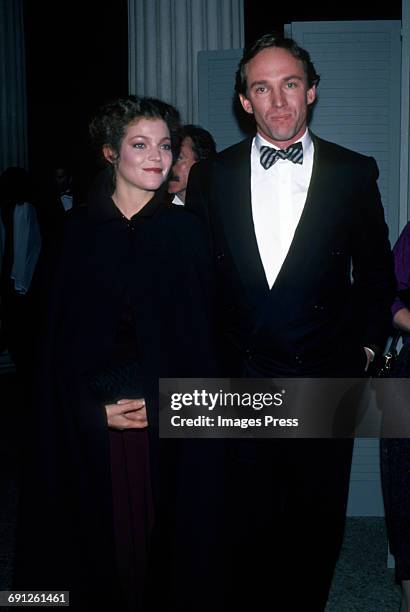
(61, 179)
(180, 170)
(277, 95)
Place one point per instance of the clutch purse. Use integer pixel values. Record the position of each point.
(115, 382)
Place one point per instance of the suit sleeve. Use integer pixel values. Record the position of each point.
(373, 270)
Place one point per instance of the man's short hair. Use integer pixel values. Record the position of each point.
(273, 40)
(203, 144)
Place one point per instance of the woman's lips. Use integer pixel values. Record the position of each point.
(154, 170)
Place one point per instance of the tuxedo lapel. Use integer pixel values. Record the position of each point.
(236, 212)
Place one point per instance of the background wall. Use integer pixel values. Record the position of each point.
(77, 58)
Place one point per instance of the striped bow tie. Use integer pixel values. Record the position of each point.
(269, 156)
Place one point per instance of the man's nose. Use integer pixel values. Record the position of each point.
(278, 98)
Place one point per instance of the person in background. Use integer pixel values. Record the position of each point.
(395, 452)
(20, 247)
(111, 329)
(289, 216)
(63, 186)
(57, 198)
(196, 144)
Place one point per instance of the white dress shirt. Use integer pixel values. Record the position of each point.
(278, 198)
(67, 201)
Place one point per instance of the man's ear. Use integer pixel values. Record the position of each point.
(109, 154)
(246, 104)
(311, 95)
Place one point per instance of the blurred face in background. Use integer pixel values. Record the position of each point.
(62, 179)
(181, 168)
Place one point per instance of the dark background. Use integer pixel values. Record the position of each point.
(263, 16)
(77, 58)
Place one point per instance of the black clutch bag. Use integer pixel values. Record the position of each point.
(115, 382)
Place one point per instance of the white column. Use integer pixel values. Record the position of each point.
(164, 39)
(13, 120)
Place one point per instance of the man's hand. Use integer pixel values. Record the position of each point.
(127, 414)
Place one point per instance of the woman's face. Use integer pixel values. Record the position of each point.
(145, 156)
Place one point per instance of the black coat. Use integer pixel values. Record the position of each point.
(159, 261)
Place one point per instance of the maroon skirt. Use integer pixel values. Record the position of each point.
(133, 510)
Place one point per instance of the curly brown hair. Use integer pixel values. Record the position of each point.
(110, 122)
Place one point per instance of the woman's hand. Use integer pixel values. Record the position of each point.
(127, 414)
(401, 319)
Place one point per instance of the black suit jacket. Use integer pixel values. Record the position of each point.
(333, 292)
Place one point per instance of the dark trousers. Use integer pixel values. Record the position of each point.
(287, 507)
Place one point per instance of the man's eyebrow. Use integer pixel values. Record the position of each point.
(293, 76)
(258, 83)
(289, 77)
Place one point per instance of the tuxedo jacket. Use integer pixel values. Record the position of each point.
(333, 293)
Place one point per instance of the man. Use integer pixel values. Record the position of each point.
(290, 216)
(62, 181)
(57, 199)
(196, 144)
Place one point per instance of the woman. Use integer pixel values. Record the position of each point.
(395, 453)
(130, 302)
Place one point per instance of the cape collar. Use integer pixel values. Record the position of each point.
(101, 206)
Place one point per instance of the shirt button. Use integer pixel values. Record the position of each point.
(298, 359)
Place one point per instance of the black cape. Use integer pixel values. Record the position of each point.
(159, 259)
